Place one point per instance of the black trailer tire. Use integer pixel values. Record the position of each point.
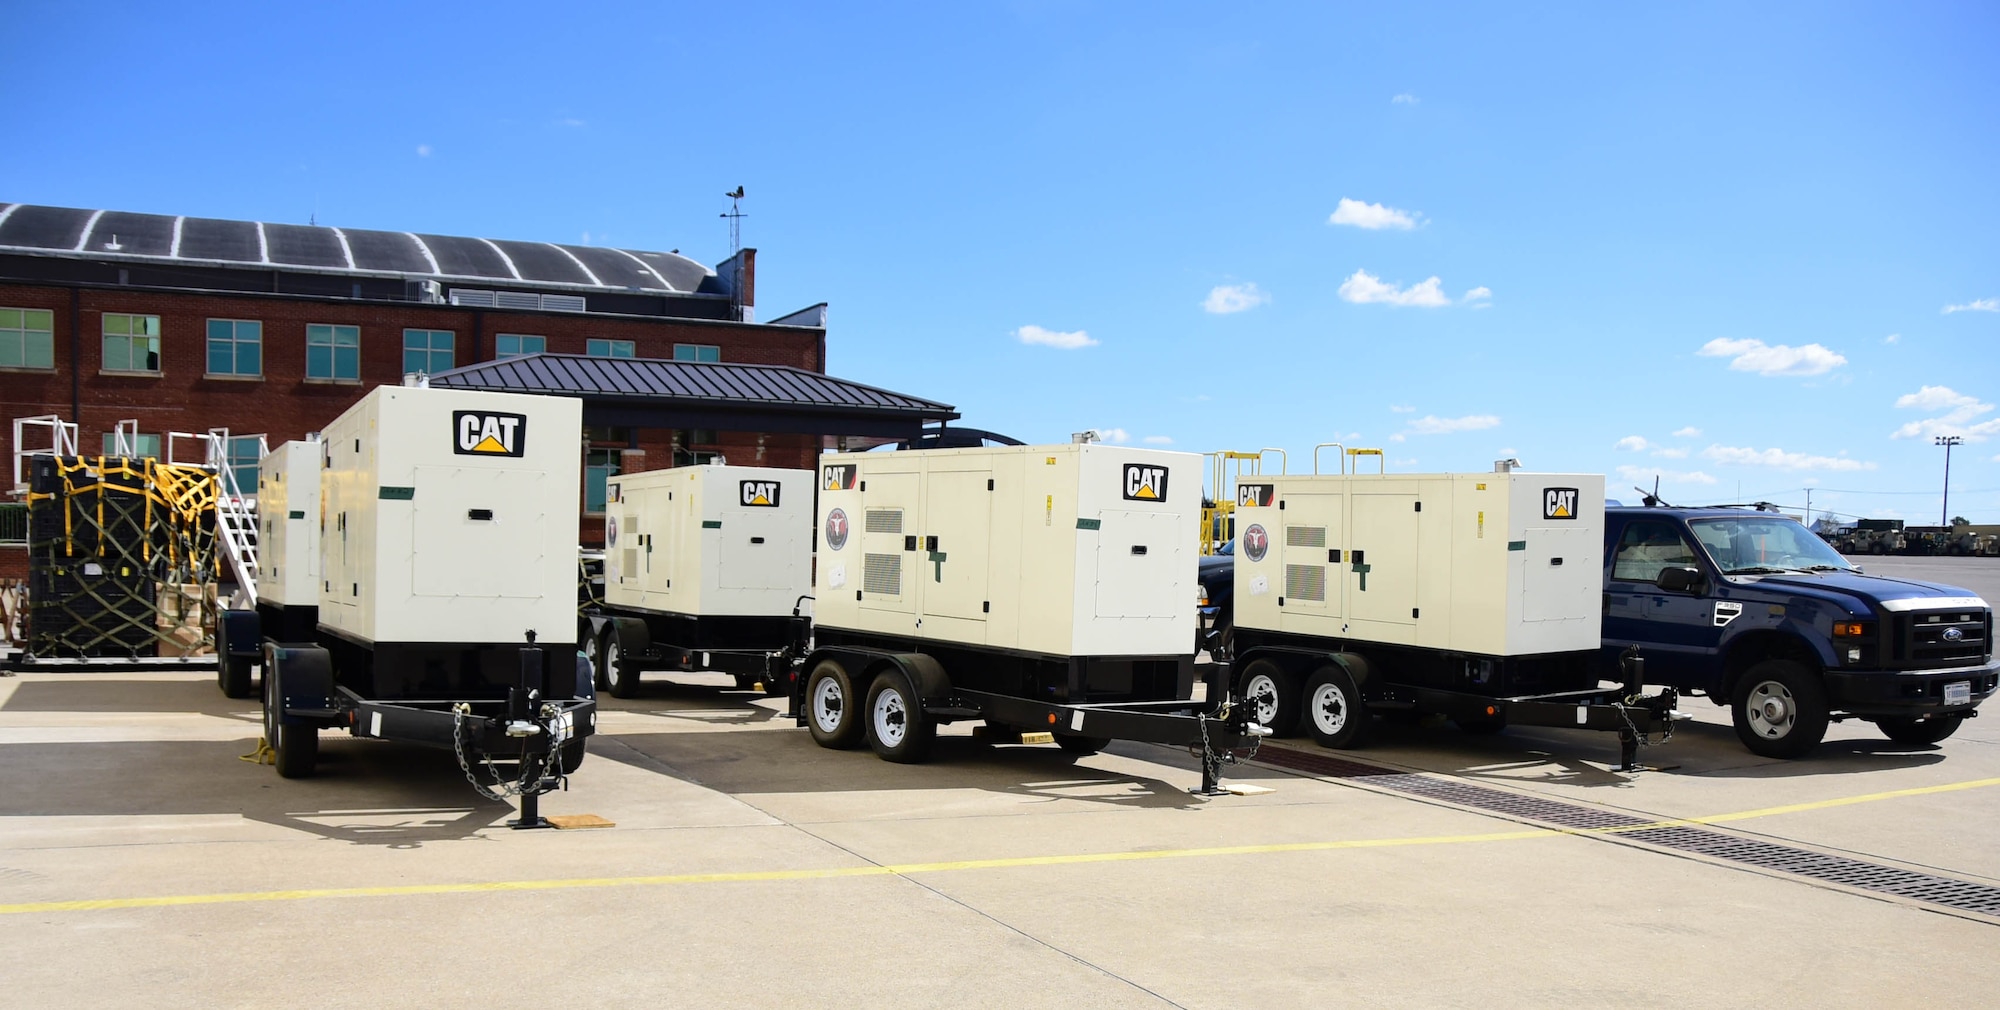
(621, 677)
(232, 674)
(1273, 693)
(1903, 729)
(570, 758)
(294, 746)
(833, 712)
(1780, 709)
(1081, 746)
(899, 729)
(593, 650)
(1334, 712)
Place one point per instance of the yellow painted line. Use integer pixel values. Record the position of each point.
(1068, 859)
(953, 866)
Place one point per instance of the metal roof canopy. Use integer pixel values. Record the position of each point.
(726, 396)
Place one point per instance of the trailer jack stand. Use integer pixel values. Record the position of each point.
(531, 814)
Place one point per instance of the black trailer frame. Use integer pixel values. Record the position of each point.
(1480, 693)
(759, 651)
(1220, 731)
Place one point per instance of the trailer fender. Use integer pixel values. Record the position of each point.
(633, 637)
(1304, 661)
(240, 634)
(304, 677)
(925, 675)
(1356, 666)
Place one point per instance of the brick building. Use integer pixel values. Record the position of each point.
(187, 325)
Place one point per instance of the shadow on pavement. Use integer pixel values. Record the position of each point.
(365, 793)
(200, 697)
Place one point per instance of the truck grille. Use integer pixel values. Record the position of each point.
(1926, 639)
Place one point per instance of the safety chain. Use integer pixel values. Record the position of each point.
(532, 773)
(1213, 760)
(1625, 713)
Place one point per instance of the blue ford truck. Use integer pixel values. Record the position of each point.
(1754, 611)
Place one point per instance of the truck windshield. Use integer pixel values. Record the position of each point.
(1753, 545)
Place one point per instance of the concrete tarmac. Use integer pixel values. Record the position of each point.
(143, 865)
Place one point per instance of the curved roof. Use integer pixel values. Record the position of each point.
(121, 235)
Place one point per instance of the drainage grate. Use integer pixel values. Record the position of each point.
(1962, 895)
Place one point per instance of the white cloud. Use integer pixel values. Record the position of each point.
(1228, 298)
(1688, 432)
(1430, 424)
(1764, 359)
(1957, 419)
(1479, 293)
(1157, 440)
(1666, 453)
(1405, 99)
(570, 121)
(1371, 216)
(1365, 288)
(1780, 459)
(1892, 338)
(423, 150)
(1116, 436)
(1976, 305)
(1054, 338)
(1645, 475)
(1398, 409)
(1632, 443)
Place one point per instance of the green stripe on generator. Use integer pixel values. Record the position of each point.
(392, 493)
(1517, 545)
(1089, 524)
(711, 524)
(298, 513)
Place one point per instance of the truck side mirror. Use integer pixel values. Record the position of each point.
(1679, 580)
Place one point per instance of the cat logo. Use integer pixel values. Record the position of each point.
(485, 433)
(761, 493)
(1559, 503)
(1144, 482)
(1256, 495)
(838, 478)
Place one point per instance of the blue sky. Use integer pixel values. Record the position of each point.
(1750, 248)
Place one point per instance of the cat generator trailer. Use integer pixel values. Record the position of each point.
(1475, 596)
(447, 546)
(705, 568)
(1046, 590)
(287, 598)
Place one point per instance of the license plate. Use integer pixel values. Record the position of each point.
(1958, 693)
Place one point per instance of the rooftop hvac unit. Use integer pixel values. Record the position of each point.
(427, 292)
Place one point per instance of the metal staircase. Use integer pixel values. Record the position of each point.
(235, 512)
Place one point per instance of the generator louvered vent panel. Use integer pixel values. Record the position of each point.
(631, 563)
(517, 300)
(563, 303)
(882, 574)
(1305, 582)
(1305, 536)
(884, 521)
(472, 297)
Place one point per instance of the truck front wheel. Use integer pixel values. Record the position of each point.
(1914, 731)
(1274, 694)
(1335, 713)
(1780, 709)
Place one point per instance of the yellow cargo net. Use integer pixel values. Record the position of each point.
(122, 558)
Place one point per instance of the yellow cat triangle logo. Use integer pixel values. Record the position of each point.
(1560, 513)
(1145, 491)
(760, 500)
(490, 444)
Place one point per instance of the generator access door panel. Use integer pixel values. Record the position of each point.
(889, 543)
(1140, 568)
(475, 530)
(1381, 559)
(759, 550)
(953, 548)
(1561, 575)
(1313, 582)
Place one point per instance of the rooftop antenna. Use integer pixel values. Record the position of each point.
(735, 216)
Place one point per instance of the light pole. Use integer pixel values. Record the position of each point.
(1944, 519)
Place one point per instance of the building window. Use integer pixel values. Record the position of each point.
(427, 351)
(609, 348)
(143, 445)
(333, 352)
(27, 338)
(243, 457)
(600, 465)
(513, 345)
(697, 352)
(131, 343)
(235, 347)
